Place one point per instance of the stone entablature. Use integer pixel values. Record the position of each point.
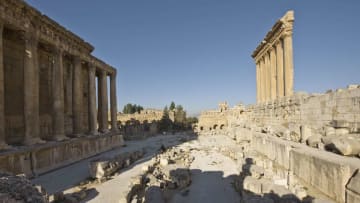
(56, 96)
(274, 61)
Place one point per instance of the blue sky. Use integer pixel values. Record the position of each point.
(198, 52)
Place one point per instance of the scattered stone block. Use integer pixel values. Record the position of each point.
(345, 146)
(305, 133)
(314, 140)
(341, 131)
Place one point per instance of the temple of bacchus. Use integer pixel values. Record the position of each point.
(48, 93)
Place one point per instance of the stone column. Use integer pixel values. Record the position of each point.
(273, 73)
(77, 97)
(103, 102)
(280, 69)
(3, 144)
(31, 90)
(257, 82)
(92, 100)
(267, 76)
(288, 65)
(58, 97)
(113, 104)
(262, 79)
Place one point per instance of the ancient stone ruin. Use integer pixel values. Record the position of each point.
(57, 144)
(52, 110)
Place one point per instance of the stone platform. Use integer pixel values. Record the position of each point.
(39, 159)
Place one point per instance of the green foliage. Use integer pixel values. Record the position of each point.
(132, 108)
(165, 124)
(172, 106)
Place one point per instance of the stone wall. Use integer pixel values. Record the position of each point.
(315, 111)
(41, 159)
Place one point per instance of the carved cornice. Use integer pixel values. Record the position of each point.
(18, 15)
(283, 27)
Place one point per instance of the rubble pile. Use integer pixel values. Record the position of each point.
(105, 167)
(17, 189)
(168, 173)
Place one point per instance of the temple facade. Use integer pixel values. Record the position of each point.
(274, 61)
(49, 81)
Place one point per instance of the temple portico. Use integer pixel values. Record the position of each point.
(48, 81)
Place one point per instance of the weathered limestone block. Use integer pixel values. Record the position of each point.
(107, 166)
(323, 171)
(329, 131)
(305, 133)
(314, 140)
(345, 146)
(341, 131)
(273, 148)
(353, 189)
(340, 124)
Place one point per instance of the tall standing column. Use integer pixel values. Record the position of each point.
(3, 144)
(58, 97)
(31, 90)
(288, 65)
(92, 100)
(273, 73)
(113, 104)
(257, 82)
(280, 69)
(267, 75)
(77, 97)
(103, 102)
(263, 82)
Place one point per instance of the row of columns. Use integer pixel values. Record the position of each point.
(31, 95)
(275, 70)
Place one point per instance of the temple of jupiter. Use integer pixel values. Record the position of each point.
(48, 83)
(274, 61)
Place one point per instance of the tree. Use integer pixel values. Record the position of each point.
(132, 108)
(172, 106)
(179, 108)
(165, 124)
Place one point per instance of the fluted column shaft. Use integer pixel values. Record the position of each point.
(103, 102)
(273, 74)
(280, 69)
(267, 75)
(92, 100)
(3, 144)
(288, 65)
(113, 104)
(58, 97)
(77, 97)
(262, 79)
(31, 90)
(257, 83)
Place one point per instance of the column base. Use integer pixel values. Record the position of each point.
(115, 130)
(33, 141)
(60, 137)
(94, 133)
(103, 131)
(4, 146)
